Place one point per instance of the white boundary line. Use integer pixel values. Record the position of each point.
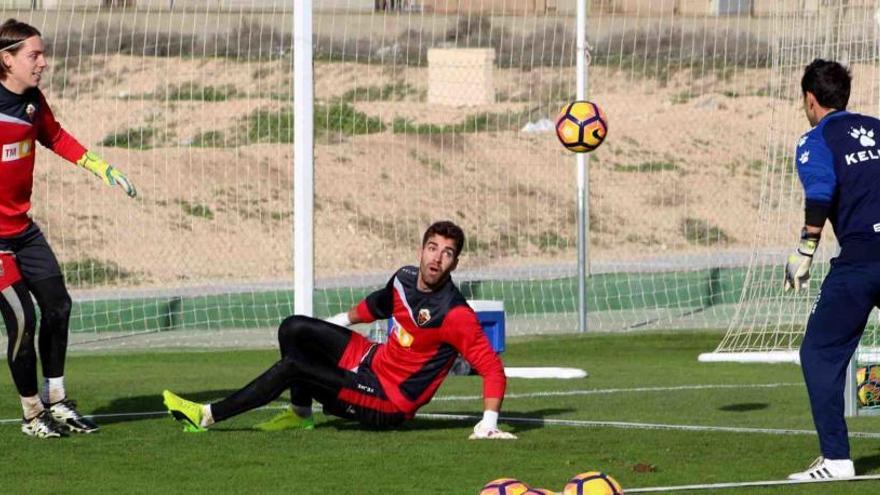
(544, 421)
(718, 486)
(147, 414)
(600, 391)
(639, 426)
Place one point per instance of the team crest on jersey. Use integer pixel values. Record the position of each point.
(29, 110)
(424, 316)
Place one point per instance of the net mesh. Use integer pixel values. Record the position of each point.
(766, 319)
(428, 110)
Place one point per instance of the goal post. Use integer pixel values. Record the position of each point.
(768, 324)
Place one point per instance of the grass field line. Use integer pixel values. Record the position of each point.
(133, 415)
(744, 484)
(637, 426)
(539, 421)
(599, 391)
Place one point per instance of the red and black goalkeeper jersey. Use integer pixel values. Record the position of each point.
(429, 330)
(25, 119)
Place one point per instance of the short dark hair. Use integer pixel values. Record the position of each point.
(829, 81)
(12, 33)
(447, 229)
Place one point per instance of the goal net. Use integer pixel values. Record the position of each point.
(428, 110)
(768, 324)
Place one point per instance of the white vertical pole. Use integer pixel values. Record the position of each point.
(583, 179)
(877, 37)
(303, 160)
(850, 393)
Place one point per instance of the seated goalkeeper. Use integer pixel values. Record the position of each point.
(376, 384)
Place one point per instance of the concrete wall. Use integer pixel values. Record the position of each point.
(638, 7)
(157, 5)
(496, 7)
(461, 76)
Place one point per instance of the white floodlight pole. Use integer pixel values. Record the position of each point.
(583, 178)
(877, 38)
(303, 160)
(851, 390)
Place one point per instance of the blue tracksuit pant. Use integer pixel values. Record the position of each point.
(836, 323)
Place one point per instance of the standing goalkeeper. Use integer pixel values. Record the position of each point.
(838, 162)
(25, 118)
(375, 384)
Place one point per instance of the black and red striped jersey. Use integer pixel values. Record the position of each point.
(428, 331)
(24, 120)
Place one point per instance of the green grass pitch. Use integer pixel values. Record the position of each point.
(152, 455)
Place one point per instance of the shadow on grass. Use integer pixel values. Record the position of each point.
(143, 407)
(744, 407)
(868, 464)
(422, 424)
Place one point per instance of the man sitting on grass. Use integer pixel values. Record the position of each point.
(375, 384)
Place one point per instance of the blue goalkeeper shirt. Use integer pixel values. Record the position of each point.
(838, 162)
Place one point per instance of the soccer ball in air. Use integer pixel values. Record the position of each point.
(504, 486)
(592, 483)
(868, 391)
(581, 126)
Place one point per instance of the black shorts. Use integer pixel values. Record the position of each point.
(362, 398)
(35, 258)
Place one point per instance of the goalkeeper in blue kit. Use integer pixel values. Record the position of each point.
(838, 162)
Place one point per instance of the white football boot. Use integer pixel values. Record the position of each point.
(65, 413)
(43, 425)
(823, 469)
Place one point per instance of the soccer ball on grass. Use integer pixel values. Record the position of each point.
(504, 486)
(592, 483)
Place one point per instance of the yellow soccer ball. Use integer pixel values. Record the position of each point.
(868, 380)
(592, 483)
(581, 126)
(504, 486)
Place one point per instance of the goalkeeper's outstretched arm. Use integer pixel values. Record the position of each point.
(466, 335)
(51, 135)
(108, 173)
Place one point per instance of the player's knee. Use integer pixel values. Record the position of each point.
(291, 331)
(808, 355)
(57, 309)
(290, 367)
